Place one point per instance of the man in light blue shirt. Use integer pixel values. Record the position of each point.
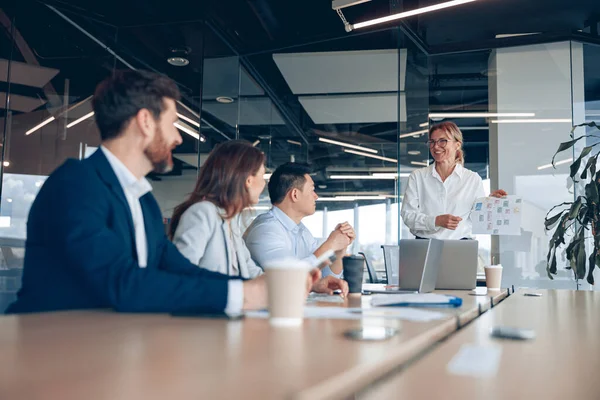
(280, 233)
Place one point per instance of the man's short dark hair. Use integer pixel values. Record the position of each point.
(285, 178)
(119, 98)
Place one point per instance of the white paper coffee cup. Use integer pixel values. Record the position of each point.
(493, 276)
(286, 284)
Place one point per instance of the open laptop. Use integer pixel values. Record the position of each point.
(418, 267)
(459, 265)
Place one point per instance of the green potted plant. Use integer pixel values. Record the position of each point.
(578, 220)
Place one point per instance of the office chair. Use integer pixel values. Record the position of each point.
(371, 270)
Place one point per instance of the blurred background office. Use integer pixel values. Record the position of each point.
(287, 77)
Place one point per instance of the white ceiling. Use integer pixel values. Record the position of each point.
(343, 71)
(347, 86)
(355, 108)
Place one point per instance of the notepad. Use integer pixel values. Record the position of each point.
(416, 300)
(404, 313)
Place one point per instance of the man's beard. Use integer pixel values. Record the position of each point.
(159, 154)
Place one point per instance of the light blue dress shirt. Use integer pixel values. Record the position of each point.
(273, 235)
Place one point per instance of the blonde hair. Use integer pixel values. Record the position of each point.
(450, 129)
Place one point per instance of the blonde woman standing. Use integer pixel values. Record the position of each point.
(438, 198)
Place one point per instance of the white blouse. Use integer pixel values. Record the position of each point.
(426, 197)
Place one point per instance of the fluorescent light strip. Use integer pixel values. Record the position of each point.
(479, 115)
(86, 116)
(365, 177)
(568, 160)
(294, 142)
(402, 174)
(414, 134)
(191, 121)
(35, 128)
(255, 143)
(424, 124)
(419, 163)
(351, 198)
(371, 155)
(189, 131)
(530, 121)
(407, 14)
(343, 144)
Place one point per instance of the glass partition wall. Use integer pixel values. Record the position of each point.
(356, 108)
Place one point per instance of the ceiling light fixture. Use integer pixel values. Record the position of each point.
(294, 142)
(424, 164)
(344, 144)
(225, 99)
(78, 120)
(424, 124)
(35, 128)
(191, 121)
(401, 175)
(365, 177)
(407, 14)
(414, 134)
(360, 153)
(256, 142)
(178, 57)
(351, 198)
(478, 115)
(414, 152)
(6, 163)
(530, 121)
(568, 160)
(189, 131)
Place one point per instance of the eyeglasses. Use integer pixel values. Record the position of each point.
(440, 142)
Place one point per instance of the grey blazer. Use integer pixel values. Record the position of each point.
(204, 238)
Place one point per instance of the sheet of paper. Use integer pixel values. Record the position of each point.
(421, 298)
(494, 216)
(404, 313)
(323, 298)
(475, 361)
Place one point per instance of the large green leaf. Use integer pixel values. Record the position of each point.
(591, 266)
(574, 210)
(591, 192)
(575, 166)
(565, 146)
(550, 222)
(581, 258)
(590, 165)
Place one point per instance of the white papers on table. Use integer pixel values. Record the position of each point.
(475, 361)
(323, 298)
(497, 216)
(424, 299)
(404, 313)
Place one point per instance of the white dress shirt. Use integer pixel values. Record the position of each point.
(134, 189)
(427, 196)
(273, 235)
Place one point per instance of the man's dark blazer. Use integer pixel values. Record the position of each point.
(80, 251)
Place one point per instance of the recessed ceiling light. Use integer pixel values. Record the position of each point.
(224, 99)
(178, 61)
(178, 57)
(322, 186)
(414, 152)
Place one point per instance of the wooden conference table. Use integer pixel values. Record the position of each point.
(562, 362)
(105, 355)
